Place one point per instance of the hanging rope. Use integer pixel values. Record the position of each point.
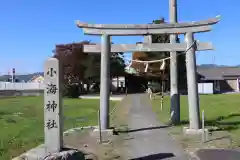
(162, 67)
(146, 67)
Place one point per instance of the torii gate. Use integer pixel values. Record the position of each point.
(105, 48)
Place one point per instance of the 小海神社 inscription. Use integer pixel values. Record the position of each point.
(52, 106)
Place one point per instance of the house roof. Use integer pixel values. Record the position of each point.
(218, 73)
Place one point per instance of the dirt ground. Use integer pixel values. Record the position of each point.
(87, 141)
(216, 139)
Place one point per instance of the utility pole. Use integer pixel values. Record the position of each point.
(175, 99)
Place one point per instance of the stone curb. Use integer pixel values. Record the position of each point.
(38, 153)
(97, 97)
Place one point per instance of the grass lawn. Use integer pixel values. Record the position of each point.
(222, 111)
(21, 121)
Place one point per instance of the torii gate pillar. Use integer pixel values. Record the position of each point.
(105, 81)
(193, 98)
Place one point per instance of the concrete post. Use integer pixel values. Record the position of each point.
(53, 117)
(193, 99)
(175, 104)
(105, 81)
(147, 39)
(238, 87)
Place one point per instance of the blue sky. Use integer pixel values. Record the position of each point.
(30, 29)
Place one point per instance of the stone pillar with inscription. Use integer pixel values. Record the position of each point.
(53, 118)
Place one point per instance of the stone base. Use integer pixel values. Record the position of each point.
(113, 98)
(72, 130)
(105, 135)
(108, 132)
(39, 153)
(189, 131)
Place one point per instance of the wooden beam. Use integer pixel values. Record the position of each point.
(154, 47)
(146, 29)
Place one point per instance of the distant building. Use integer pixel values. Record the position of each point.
(225, 79)
(118, 83)
(37, 79)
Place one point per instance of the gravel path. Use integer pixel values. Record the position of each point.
(148, 139)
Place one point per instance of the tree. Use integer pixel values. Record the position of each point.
(117, 65)
(71, 57)
(80, 67)
(154, 67)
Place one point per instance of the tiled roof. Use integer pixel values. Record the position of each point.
(218, 73)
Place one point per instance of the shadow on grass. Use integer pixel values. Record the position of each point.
(155, 156)
(7, 119)
(7, 97)
(219, 123)
(140, 129)
(2, 113)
